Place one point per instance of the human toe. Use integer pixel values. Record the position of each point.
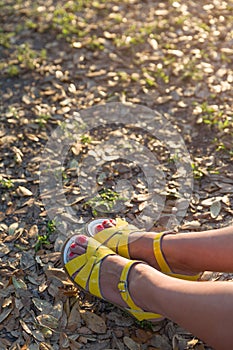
(78, 247)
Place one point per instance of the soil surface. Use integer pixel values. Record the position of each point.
(77, 79)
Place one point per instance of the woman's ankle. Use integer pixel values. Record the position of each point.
(176, 253)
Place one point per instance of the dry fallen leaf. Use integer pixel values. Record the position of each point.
(93, 321)
(4, 314)
(19, 283)
(215, 209)
(23, 191)
(74, 320)
(47, 321)
(131, 344)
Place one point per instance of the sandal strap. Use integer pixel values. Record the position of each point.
(117, 237)
(84, 270)
(160, 258)
(123, 285)
(85, 267)
(135, 310)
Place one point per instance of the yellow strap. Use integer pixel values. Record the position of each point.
(90, 273)
(144, 315)
(75, 264)
(104, 235)
(120, 222)
(108, 233)
(94, 281)
(133, 309)
(82, 276)
(113, 242)
(116, 237)
(87, 266)
(186, 277)
(159, 254)
(123, 285)
(123, 247)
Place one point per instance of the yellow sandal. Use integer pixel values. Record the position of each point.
(116, 238)
(84, 271)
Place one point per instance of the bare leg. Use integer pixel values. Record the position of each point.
(188, 252)
(203, 308)
(198, 251)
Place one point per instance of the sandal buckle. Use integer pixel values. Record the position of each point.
(122, 286)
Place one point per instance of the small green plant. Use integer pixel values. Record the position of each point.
(104, 201)
(5, 39)
(28, 57)
(67, 22)
(160, 73)
(51, 226)
(147, 325)
(43, 119)
(191, 71)
(7, 183)
(95, 43)
(197, 173)
(30, 24)
(44, 239)
(13, 112)
(85, 139)
(212, 116)
(13, 70)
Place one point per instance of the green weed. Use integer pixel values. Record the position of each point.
(5, 39)
(29, 58)
(44, 239)
(104, 201)
(7, 183)
(197, 173)
(43, 119)
(85, 139)
(13, 70)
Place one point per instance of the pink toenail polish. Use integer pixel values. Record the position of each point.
(71, 254)
(105, 222)
(81, 239)
(99, 228)
(73, 245)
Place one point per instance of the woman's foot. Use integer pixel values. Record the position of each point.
(141, 247)
(110, 275)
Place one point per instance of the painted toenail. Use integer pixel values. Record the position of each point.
(73, 245)
(71, 254)
(105, 222)
(99, 227)
(81, 239)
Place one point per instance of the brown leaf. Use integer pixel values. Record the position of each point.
(25, 327)
(64, 341)
(94, 322)
(74, 320)
(18, 283)
(12, 228)
(215, 209)
(42, 305)
(23, 191)
(4, 314)
(131, 344)
(47, 321)
(74, 345)
(119, 319)
(4, 249)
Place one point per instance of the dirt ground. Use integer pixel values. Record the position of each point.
(59, 59)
